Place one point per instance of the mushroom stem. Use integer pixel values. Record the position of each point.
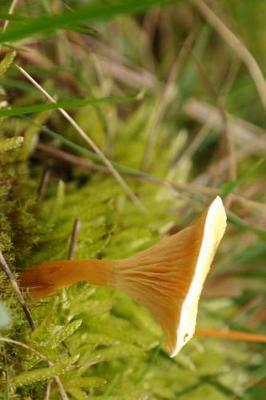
(47, 278)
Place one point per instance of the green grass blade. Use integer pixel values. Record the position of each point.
(94, 12)
(66, 104)
(13, 17)
(229, 186)
(6, 62)
(252, 254)
(90, 154)
(243, 225)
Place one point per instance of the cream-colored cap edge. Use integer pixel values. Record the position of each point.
(215, 224)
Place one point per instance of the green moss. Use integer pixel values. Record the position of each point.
(108, 342)
(101, 343)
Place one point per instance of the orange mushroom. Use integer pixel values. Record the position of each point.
(166, 278)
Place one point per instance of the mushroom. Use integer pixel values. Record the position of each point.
(166, 278)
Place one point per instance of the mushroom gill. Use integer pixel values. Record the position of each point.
(168, 277)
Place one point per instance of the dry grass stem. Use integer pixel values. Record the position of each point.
(113, 63)
(247, 136)
(33, 56)
(47, 391)
(232, 165)
(74, 238)
(119, 67)
(61, 389)
(14, 284)
(88, 140)
(70, 158)
(242, 131)
(237, 46)
(58, 382)
(135, 78)
(195, 143)
(43, 184)
(173, 187)
(10, 12)
(164, 100)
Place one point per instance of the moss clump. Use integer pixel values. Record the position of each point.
(97, 341)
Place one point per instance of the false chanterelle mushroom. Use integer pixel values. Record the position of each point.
(166, 278)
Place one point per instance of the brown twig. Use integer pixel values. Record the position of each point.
(174, 187)
(241, 130)
(17, 290)
(43, 184)
(232, 40)
(25, 346)
(59, 384)
(113, 62)
(133, 77)
(73, 240)
(70, 158)
(248, 136)
(88, 140)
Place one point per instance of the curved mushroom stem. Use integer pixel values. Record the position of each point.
(47, 278)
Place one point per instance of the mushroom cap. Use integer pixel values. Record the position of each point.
(214, 223)
(168, 277)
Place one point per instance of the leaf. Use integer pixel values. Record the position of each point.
(252, 254)
(43, 374)
(64, 333)
(112, 353)
(77, 393)
(66, 104)
(6, 62)
(229, 186)
(30, 135)
(94, 12)
(87, 383)
(91, 155)
(243, 225)
(13, 17)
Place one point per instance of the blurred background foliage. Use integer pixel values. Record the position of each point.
(170, 102)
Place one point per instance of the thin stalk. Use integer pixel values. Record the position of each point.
(231, 335)
(14, 284)
(73, 240)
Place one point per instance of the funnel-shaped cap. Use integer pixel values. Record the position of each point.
(168, 278)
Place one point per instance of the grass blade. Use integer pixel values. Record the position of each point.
(71, 103)
(94, 12)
